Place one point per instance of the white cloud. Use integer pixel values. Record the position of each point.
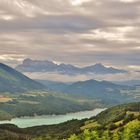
(7, 17)
(134, 67)
(7, 57)
(128, 1)
(80, 32)
(79, 2)
(20, 7)
(81, 77)
(112, 34)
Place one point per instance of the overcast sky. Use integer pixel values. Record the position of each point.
(80, 32)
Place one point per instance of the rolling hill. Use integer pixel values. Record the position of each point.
(95, 88)
(92, 88)
(54, 85)
(22, 96)
(128, 83)
(13, 81)
(120, 122)
(35, 98)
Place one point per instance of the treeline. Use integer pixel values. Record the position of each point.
(116, 123)
(130, 131)
(121, 122)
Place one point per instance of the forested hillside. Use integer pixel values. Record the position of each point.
(117, 123)
(22, 96)
(121, 122)
(104, 90)
(13, 81)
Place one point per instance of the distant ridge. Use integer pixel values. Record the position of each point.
(92, 88)
(30, 65)
(14, 81)
(128, 83)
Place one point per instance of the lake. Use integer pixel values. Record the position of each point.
(24, 122)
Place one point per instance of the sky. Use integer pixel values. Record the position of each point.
(79, 32)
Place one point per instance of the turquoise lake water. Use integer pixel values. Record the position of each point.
(24, 122)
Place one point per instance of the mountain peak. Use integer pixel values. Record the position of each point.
(5, 67)
(1, 64)
(30, 65)
(99, 65)
(14, 81)
(27, 60)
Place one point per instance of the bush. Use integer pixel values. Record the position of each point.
(112, 126)
(128, 118)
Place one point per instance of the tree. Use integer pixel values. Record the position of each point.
(128, 118)
(116, 136)
(112, 126)
(73, 137)
(132, 131)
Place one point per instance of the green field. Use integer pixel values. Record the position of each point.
(45, 103)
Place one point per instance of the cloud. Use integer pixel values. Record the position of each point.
(80, 32)
(81, 77)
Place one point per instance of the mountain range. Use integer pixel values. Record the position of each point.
(22, 96)
(128, 83)
(47, 98)
(14, 81)
(92, 88)
(29, 65)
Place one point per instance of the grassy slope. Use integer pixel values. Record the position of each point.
(44, 103)
(121, 122)
(97, 89)
(13, 81)
(128, 118)
(48, 102)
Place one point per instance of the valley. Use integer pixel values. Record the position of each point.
(24, 122)
(46, 103)
(27, 97)
(69, 69)
(48, 110)
(117, 122)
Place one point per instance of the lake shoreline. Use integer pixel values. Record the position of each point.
(53, 114)
(27, 121)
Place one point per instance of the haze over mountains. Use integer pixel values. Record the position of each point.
(58, 57)
(30, 65)
(13, 81)
(104, 90)
(22, 96)
(83, 95)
